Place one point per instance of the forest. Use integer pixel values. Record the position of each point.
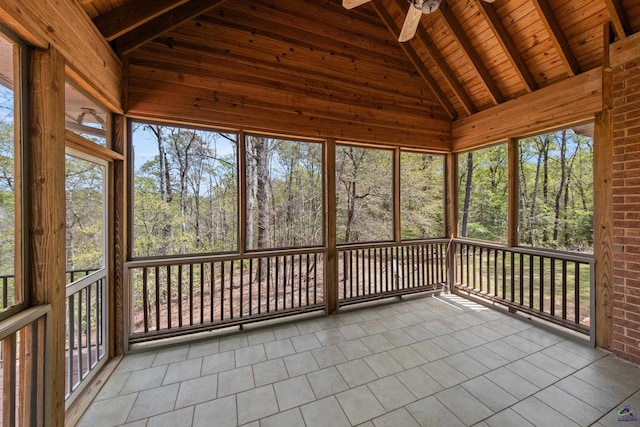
(186, 192)
(555, 192)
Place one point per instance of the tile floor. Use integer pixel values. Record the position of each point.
(425, 361)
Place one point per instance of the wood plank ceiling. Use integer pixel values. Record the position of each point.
(315, 69)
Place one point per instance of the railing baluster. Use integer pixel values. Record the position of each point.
(300, 280)
(552, 285)
(231, 290)
(576, 290)
(241, 288)
(531, 286)
(521, 278)
(179, 284)
(79, 329)
(222, 285)
(307, 279)
(201, 293)
(564, 289)
(145, 302)
(88, 329)
(212, 291)
(260, 260)
(315, 278)
(541, 285)
(190, 294)
(157, 305)
(251, 286)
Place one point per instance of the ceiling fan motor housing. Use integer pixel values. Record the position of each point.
(426, 6)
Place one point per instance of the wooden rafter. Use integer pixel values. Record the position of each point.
(162, 24)
(446, 71)
(416, 61)
(619, 18)
(471, 54)
(557, 36)
(505, 40)
(131, 15)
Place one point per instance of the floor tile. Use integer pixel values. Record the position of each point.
(487, 357)
(549, 364)
(290, 418)
(154, 402)
(419, 382)
(353, 331)
(181, 371)
(359, 405)
(377, 343)
(178, 418)
(305, 342)
(308, 326)
(505, 350)
(250, 355)
(522, 344)
(324, 413)
(223, 411)
(429, 412)
(279, 348)
(113, 386)
(383, 364)
(398, 418)
(531, 373)
(372, 327)
(570, 406)
(429, 350)
(449, 344)
(144, 379)
(466, 365)
(328, 356)
(356, 372)
(256, 403)
(487, 392)
(444, 373)
(507, 418)
(108, 412)
(170, 355)
(301, 363)
(326, 382)
(293, 392)
(218, 363)
(540, 414)
(134, 362)
(566, 357)
(467, 337)
(462, 403)
(485, 332)
(353, 349)
(391, 393)
(269, 372)
(197, 390)
(203, 348)
(233, 341)
(407, 357)
(437, 327)
(235, 381)
(399, 338)
(329, 336)
(285, 331)
(260, 336)
(515, 385)
(588, 393)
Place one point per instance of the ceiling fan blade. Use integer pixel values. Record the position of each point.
(350, 4)
(489, 1)
(411, 23)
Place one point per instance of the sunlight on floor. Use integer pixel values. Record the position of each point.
(451, 298)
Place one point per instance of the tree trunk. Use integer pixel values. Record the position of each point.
(561, 189)
(262, 196)
(467, 195)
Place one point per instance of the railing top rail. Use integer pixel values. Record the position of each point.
(85, 281)
(376, 245)
(25, 317)
(546, 253)
(203, 259)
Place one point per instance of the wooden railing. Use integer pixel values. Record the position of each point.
(86, 327)
(555, 286)
(176, 296)
(22, 368)
(382, 270)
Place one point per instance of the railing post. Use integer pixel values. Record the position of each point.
(331, 251)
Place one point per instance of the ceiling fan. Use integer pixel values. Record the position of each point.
(416, 9)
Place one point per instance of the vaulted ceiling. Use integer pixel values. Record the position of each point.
(338, 72)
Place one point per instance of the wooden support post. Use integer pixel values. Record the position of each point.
(118, 199)
(45, 183)
(451, 214)
(331, 252)
(513, 191)
(603, 206)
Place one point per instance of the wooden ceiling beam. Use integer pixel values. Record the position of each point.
(505, 40)
(557, 36)
(446, 71)
(161, 24)
(619, 18)
(416, 61)
(130, 15)
(471, 54)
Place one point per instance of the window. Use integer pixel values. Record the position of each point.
(9, 181)
(284, 193)
(556, 190)
(185, 190)
(364, 194)
(482, 194)
(421, 195)
(84, 117)
(85, 228)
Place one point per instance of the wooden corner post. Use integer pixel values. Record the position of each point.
(331, 251)
(45, 195)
